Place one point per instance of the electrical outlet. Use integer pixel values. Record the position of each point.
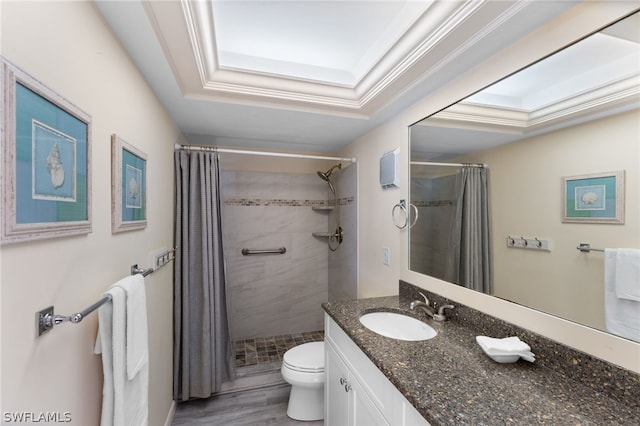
(386, 255)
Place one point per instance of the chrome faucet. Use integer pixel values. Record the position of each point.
(429, 310)
(425, 306)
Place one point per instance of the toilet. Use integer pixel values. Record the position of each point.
(303, 369)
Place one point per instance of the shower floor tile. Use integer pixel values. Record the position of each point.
(270, 350)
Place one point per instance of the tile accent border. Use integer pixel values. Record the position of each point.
(433, 203)
(267, 202)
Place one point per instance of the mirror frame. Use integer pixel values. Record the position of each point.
(583, 21)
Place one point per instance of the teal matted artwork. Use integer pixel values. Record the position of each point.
(129, 186)
(46, 161)
(593, 198)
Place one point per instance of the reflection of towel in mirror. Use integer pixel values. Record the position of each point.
(122, 340)
(628, 274)
(622, 292)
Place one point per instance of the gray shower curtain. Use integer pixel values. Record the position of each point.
(469, 259)
(202, 348)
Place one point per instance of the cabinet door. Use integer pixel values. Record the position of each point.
(346, 402)
(363, 410)
(336, 396)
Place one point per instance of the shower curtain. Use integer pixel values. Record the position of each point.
(469, 259)
(202, 347)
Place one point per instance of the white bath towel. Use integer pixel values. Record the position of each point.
(137, 340)
(628, 274)
(122, 340)
(507, 349)
(621, 315)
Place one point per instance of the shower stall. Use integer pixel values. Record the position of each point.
(289, 238)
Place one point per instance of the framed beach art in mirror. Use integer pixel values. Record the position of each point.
(46, 166)
(128, 186)
(565, 125)
(593, 198)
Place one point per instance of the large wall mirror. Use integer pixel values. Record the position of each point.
(511, 180)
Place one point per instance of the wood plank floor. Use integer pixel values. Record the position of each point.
(262, 406)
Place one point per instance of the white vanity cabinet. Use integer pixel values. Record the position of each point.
(356, 392)
(347, 402)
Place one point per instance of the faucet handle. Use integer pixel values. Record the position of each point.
(440, 316)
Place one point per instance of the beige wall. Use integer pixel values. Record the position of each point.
(68, 47)
(374, 205)
(526, 200)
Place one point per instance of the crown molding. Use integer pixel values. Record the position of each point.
(613, 97)
(444, 31)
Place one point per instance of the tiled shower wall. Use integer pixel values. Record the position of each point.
(435, 199)
(274, 294)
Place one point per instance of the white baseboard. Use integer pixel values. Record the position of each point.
(172, 412)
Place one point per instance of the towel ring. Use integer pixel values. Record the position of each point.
(403, 208)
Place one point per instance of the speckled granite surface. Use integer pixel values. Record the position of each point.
(451, 381)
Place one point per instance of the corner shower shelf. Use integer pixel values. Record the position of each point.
(322, 208)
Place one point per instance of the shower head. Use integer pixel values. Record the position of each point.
(325, 175)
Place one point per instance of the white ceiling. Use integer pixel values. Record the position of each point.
(308, 75)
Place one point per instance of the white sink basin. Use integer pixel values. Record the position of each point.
(397, 326)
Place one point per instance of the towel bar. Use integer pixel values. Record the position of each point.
(586, 248)
(46, 320)
(144, 272)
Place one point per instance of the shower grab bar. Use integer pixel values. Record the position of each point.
(249, 252)
(46, 320)
(586, 248)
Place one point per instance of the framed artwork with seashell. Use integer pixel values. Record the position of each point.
(46, 164)
(593, 198)
(128, 186)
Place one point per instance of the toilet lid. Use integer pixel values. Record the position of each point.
(308, 357)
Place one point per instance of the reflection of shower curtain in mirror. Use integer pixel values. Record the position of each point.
(202, 346)
(469, 257)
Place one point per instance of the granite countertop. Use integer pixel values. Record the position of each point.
(450, 380)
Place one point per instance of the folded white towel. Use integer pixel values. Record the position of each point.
(628, 274)
(111, 344)
(122, 340)
(504, 346)
(137, 340)
(505, 350)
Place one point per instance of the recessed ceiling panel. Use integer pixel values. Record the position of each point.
(325, 41)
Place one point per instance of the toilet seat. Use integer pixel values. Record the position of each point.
(306, 358)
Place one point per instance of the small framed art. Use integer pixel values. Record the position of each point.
(593, 198)
(128, 186)
(46, 165)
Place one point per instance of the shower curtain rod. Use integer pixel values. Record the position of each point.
(263, 153)
(429, 163)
